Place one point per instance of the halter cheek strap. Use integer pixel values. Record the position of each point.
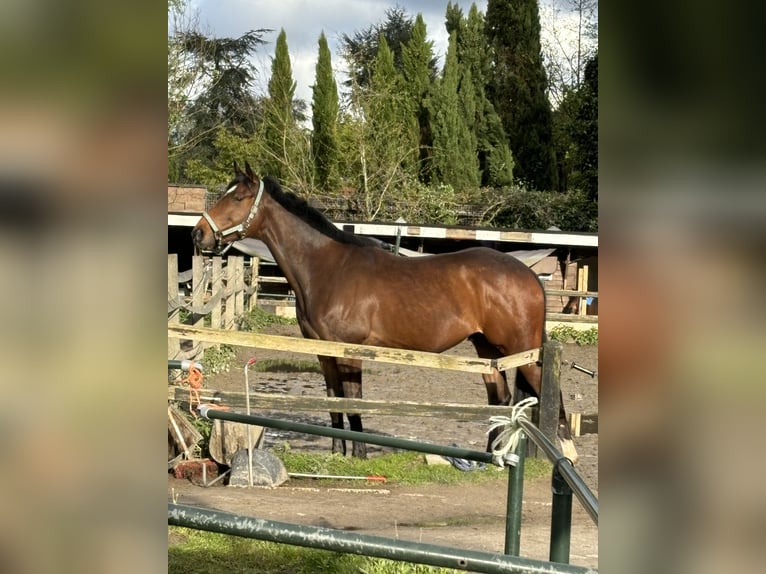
(241, 228)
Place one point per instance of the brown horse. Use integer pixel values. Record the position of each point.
(349, 290)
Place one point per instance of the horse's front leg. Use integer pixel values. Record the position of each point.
(351, 379)
(334, 389)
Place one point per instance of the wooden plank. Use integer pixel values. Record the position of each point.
(574, 423)
(239, 284)
(291, 403)
(198, 289)
(173, 345)
(583, 308)
(216, 283)
(253, 296)
(569, 318)
(333, 349)
(518, 359)
(228, 299)
(570, 293)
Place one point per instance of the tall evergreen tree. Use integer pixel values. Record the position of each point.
(576, 130)
(360, 49)
(225, 102)
(279, 120)
(495, 159)
(324, 118)
(417, 56)
(517, 88)
(454, 161)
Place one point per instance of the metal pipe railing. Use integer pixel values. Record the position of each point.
(364, 544)
(565, 479)
(564, 466)
(393, 442)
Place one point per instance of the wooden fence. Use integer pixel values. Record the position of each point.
(214, 292)
(549, 401)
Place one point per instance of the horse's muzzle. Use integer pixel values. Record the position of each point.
(198, 238)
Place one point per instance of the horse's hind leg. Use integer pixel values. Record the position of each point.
(496, 382)
(332, 381)
(351, 380)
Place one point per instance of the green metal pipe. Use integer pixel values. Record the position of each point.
(455, 452)
(568, 473)
(362, 544)
(561, 518)
(515, 495)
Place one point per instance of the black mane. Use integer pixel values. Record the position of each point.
(300, 208)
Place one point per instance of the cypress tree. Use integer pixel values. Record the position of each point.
(279, 120)
(417, 56)
(517, 89)
(454, 161)
(324, 118)
(495, 160)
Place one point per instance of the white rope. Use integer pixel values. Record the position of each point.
(508, 438)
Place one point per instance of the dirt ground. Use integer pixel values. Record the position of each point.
(471, 517)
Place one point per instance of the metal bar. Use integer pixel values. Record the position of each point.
(183, 364)
(515, 495)
(455, 452)
(561, 518)
(578, 486)
(355, 543)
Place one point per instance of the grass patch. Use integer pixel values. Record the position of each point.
(401, 467)
(257, 319)
(196, 552)
(285, 366)
(568, 334)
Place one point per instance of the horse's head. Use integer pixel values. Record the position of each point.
(231, 217)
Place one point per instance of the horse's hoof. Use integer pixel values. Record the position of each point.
(339, 447)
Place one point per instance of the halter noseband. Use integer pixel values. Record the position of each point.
(240, 229)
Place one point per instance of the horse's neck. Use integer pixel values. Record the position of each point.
(296, 246)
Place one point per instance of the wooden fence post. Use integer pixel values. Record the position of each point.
(198, 290)
(216, 285)
(239, 286)
(253, 287)
(174, 346)
(228, 296)
(550, 397)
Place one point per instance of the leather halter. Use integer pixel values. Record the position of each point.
(240, 229)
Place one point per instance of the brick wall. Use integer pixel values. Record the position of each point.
(186, 199)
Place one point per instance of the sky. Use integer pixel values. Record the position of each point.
(304, 20)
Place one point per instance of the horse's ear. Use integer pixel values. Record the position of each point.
(249, 171)
(237, 171)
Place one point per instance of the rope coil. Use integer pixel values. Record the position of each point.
(508, 439)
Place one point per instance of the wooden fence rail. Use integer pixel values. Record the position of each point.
(290, 403)
(348, 351)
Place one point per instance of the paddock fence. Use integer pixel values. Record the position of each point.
(564, 479)
(565, 482)
(546, 415)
